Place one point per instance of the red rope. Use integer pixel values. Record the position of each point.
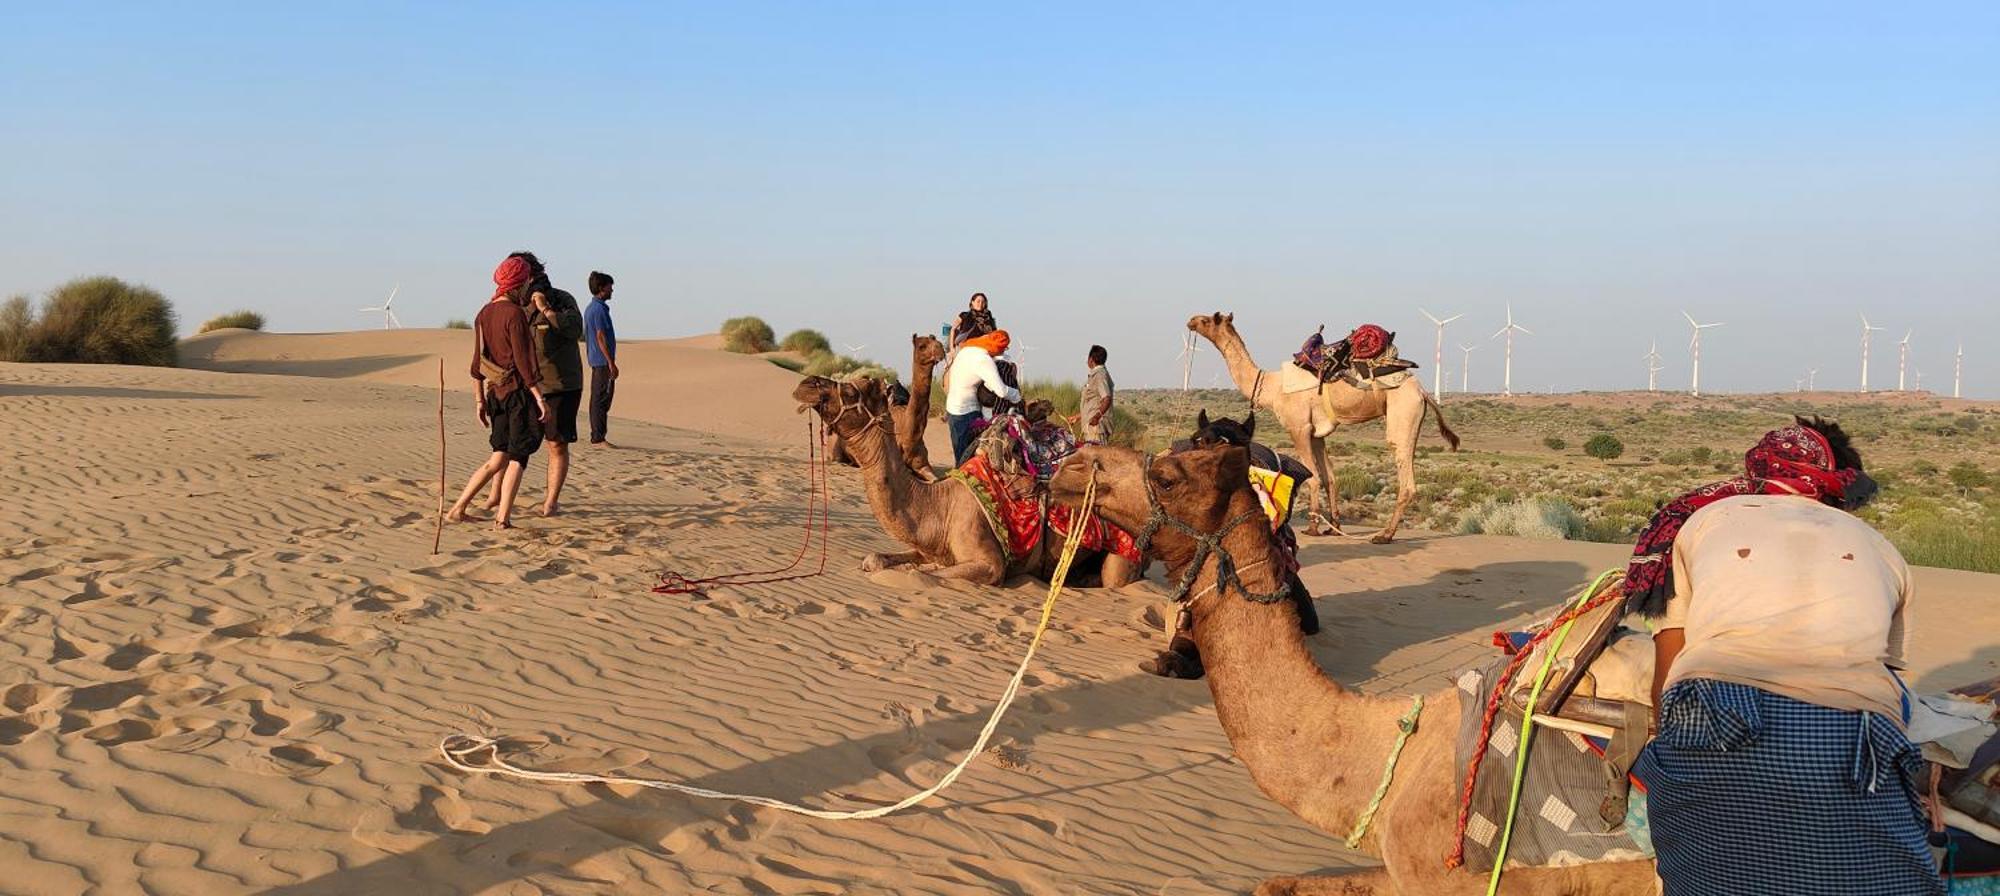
(1499, 696)
(819, 501)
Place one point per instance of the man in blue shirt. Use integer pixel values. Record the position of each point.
(600, 342)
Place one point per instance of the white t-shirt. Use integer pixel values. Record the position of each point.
(970, 367)
(1792, 596)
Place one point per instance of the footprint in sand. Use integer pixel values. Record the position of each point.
(303, 760)
(15, 729)
(26, 696)
(125, 731)
(440, 811)
(333, 636)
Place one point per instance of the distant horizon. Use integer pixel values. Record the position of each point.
(1102, 173)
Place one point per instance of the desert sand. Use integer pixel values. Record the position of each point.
(227, 654)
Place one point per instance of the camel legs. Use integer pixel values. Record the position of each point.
(1404, 419)
(877, 562)
(977, 571)
(1119, 572)
(1595, 879)
(1322, 506)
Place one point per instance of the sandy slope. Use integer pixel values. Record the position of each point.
(226, 656)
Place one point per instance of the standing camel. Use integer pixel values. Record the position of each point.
(1312, 745)
(1309, 420)
(942, 521)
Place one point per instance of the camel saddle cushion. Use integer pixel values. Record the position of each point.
(1018, 521)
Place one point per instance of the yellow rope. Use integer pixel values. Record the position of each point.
(1405, 726)
(458, 747)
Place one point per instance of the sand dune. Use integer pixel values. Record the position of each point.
(227, 655)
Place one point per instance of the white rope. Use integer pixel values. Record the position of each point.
(458, 747)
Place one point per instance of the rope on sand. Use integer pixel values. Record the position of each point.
(819, 511)
(457, 749)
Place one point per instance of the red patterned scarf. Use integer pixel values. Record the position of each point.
(1795, 460)
(1018, 522)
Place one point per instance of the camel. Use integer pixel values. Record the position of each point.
(911, 418)
(1308, 743)
(1305, 418)
(942, 521)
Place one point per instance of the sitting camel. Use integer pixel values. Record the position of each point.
(942, 521)
(1312, 415)
(1312, 745)
(913, 414)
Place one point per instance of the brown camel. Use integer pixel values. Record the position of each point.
(911, 418)
(1312, 745)
(1308, 421)
(942, 521)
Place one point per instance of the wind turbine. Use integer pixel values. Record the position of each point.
(1437, 359)
(1465, 368)
(1919, 371)
(854, 351)
(1799, 385)
(1653, 368)
(1812, 380)
(1189, 345)
(1866, 328)
(1694, 386)
(388, 313)
(1903, 359)
(1021, 363)
(1507, 376)
(1958, 370)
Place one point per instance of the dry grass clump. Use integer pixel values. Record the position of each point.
(234, 320)
(91, 320)
(748, 335)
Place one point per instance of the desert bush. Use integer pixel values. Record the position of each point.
(458, 323)
(101, 320)
(1968, 477)
(1936, 541)
(1604, 446)
(234, 320)
(1357, 484)
(1555, 443)
(16, 317)
(805, 342)
(1701, 455)
(1546, 518)
(748, 335)
(795, 365)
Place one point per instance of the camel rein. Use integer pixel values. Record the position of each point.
(459, 749)
(818, 509)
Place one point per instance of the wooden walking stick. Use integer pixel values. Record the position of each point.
(437, 532)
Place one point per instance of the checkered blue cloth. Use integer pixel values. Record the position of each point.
(1750, 792)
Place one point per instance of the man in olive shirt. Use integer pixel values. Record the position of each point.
(1094, 409)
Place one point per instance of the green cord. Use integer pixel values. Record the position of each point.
(1527, 728)
(1405, 726)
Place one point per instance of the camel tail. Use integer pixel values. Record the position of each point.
(1444, 429)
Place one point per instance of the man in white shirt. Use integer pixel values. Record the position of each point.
(1780, 763)
(971, 368)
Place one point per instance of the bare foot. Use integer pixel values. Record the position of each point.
(491, 504)
(460, 515)
(551, 509)
(501, 524)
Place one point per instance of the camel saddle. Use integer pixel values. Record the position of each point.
(1366, 359)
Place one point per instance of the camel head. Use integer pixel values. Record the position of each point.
(1223, 431)
(1196, 487)
(927, 350)
(842, 406)
(1212, 325)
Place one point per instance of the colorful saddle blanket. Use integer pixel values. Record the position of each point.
(1019, 521)
(1038, 447)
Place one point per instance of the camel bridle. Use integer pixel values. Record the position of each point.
(841, 407)
(1206, 545)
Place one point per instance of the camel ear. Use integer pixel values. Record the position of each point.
(1234, 467)
(1250, 425)
(1201, 420)
(916, 339)
(1229, 318)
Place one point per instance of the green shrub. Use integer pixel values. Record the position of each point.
(805, 342)
(1968, 477)
(1555, 443)
(1604, 446)
(16, 318)
(235, 320)
(748, 335)
(1357, 484)
(1701, 455)
(1950, 544)
(1127, 430)
(1546, 518)
(795, 365)
(101, 320)
(458, 323)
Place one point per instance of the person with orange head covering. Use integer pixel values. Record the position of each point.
(971, 367)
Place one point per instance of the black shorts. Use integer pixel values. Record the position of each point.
(516, 426)
(562, 416)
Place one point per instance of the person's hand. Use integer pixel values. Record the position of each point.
(479, 408)
(614, 370)
(547, 415)
(541, 303)
(1096, 419)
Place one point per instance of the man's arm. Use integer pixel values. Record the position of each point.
(604, 348)
(1667, 646)
(564, 316)
(989, 373)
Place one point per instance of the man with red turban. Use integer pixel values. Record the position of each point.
(506, 375)
(971, 368)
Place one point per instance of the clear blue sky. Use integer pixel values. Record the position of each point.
(1102, 171)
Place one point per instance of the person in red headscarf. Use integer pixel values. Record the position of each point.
(507, 385)
(1780, 763)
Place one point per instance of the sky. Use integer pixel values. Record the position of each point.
(1101, 171)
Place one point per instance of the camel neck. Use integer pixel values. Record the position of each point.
(1243, 369)
(919, 414)
(890, 486)
(1310, 744)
